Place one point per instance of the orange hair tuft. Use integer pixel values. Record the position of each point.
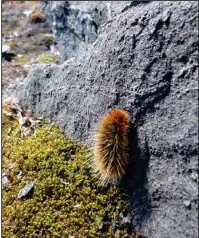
(111, 145)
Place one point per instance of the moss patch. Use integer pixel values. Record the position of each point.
(67, 199)
(45, 58)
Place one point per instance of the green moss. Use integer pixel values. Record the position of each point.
(24, 59)
(44, 58)
(12, 44)
(77, 207)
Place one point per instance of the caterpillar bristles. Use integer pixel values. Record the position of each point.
(111, 146)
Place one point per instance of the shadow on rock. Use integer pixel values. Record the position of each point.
(135, 183)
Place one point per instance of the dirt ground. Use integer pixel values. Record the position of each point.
(27, 34)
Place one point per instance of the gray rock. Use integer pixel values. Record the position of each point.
(26, 190)
(75, 24)
(145, 61)
(187, 204)
(5, 181)
(6, 53)
(6, 49)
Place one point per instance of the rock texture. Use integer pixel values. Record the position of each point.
(76, 24)
(145, 61)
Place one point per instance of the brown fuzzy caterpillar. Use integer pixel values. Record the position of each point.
(111, 145)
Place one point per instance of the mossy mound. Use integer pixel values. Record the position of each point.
(67, 199)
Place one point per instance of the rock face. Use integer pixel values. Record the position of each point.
(145, 61)
(75, 24)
